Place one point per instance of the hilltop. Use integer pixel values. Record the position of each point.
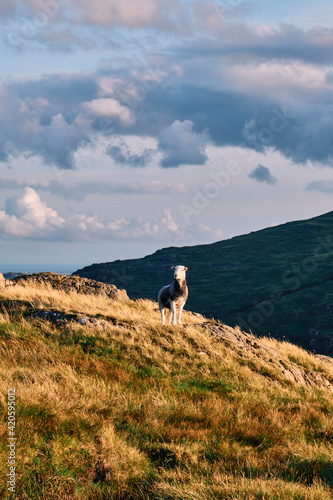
(275, 281)
(113, 405)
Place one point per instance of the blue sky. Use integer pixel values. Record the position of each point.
(126, 127)
(303, 13)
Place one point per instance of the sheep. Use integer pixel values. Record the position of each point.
(174, 296)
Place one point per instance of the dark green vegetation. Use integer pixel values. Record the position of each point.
(278, 280)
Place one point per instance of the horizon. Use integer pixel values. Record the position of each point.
(128, 128)
(69, 269)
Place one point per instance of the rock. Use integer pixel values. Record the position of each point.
(248, 345)
(62, 318)
(73, 284)
(4, 282)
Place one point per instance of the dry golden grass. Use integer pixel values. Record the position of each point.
(137, 410)
(46, 297)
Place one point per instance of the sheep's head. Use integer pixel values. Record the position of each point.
(180, 272)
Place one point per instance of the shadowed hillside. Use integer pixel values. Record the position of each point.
(278, 280)
(110, 404)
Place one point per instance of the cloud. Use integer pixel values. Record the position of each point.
(227, 85)
(209, 26)
(109, 108)
(262, 174)
(123, 156)
(102, 13)
(325, 187)
(56, 115)
(29, 217)
(128, 13)
(80, 190)
(181, 145)
(30, 124)
(257, 42)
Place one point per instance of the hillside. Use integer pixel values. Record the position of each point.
(277, 280)
(110, 404)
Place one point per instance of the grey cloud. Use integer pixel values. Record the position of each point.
(83, 24)
(325, 187)
(46, 117)
(262, 174)
(181, 145)
(329, 77)
(301, 132)
(80, 190)
(123, 156)
(41, 117)
(241, 43)
(43, 21)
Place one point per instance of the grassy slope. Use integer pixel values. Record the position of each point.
(141, 411)
(225, 279)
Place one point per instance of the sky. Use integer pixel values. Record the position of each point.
(130, 126)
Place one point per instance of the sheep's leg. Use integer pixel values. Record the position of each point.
(162, 311)
(173, 309)
(180, 310)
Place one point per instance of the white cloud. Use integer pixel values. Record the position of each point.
(282, 77)
(129, 13)
(111, 108)
(104, 13)
(29, 217)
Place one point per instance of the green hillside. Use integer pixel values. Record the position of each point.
(278, 280)
(111, 405)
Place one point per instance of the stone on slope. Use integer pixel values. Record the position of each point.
(72, 284)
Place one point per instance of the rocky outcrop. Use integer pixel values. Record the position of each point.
(4, 282)
(72, 284)
(61, 318)
(252, 348)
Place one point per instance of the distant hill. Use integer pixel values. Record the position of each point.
(11, 275)
(277, 280)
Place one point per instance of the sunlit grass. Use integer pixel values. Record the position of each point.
(140, 410)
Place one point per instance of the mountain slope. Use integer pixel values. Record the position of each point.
(277, 280)
(119, 407)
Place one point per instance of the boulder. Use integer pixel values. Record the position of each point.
(72, 284)
(4, 282)
(253, 348)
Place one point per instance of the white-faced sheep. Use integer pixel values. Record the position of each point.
(172, 297)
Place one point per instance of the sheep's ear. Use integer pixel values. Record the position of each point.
(173, 267)
(185, 268)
